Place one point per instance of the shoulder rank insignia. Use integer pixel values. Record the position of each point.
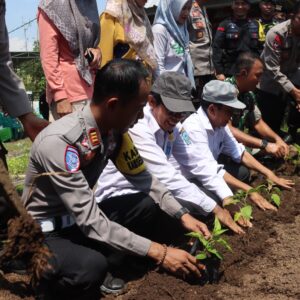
(72, 161)
(93, 136)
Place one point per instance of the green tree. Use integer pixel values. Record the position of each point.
(32, 73)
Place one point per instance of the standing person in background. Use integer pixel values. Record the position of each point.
(235, 35)
(265, 21)
(69, 32)
(280, 84)
(126, 32)
(201, 44)
(171, 37)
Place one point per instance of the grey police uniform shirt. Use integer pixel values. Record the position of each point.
(13, 98)
(66, 160)
(200, 32)
(281, 56)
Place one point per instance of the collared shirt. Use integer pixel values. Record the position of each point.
(66, 160)
(210, 142)
(281, 57)
(200, 40)
(157, 149)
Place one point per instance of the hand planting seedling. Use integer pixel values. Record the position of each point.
(209, 255)
(271, 192)
(209, 245)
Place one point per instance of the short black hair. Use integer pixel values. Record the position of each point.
(205, 104)
(120, 78)
(245, 61)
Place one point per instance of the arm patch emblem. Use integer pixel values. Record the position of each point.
(185, 137)
(72, 161)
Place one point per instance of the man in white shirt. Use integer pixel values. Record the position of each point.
(157, 137)
(209, 132)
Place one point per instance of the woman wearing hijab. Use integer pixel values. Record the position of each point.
(68, 30)
(126, 32)
(171, 37)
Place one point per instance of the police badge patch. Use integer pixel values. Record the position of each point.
(72, 161)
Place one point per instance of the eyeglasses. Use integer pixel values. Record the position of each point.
(177, 115)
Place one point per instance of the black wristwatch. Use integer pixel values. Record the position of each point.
(264, 144)
(182, 211)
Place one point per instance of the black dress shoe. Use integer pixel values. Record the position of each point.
(112, 285)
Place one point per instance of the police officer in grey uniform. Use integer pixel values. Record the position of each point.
(280, 83)
(233, 36)
(200, 31)
(65, 162)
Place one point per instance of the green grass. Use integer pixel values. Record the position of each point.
(18, 156)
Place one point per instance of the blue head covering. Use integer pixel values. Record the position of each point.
(167, 14)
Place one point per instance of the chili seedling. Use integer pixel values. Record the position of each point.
(209, 245)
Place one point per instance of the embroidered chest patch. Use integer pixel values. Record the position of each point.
(72, 161)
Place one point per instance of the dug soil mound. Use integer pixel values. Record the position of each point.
(264, 263)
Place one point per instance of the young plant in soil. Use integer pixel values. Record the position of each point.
(271, 192)
(244, 209)
(209, 246)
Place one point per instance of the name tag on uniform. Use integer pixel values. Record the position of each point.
(129, 160)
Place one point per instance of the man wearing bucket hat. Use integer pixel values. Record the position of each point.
(209, 131)
(159, 140)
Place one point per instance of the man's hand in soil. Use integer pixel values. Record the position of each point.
(284, 183)
(261, 202)
(275, 149)
(224, 216)
(32, 124)
(176, 261)
(192, 224)
(64, 107)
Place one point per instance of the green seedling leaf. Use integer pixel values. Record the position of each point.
(194, 235)
(219, 232)
(216, 253)
(232, 201)
(237, 216)
(276, 199)
(201, 256)
(247, 212)
(276, 190)
(224, 243)
(297, 147)
(217, 225)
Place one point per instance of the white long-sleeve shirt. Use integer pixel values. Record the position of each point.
(156, 147)
(209, 144)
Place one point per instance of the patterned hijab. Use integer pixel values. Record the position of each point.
(137, 27)
(167, 14)
(78, 22)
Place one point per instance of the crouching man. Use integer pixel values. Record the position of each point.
(208, 130)
(65, 162)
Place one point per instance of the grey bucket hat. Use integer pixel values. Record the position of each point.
(175, 91)
(221, 92)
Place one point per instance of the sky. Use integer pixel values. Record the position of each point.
(19, 12)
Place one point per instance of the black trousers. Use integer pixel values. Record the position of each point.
(273, 109)
(79, 264)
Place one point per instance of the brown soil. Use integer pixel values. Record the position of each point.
(265, 264)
